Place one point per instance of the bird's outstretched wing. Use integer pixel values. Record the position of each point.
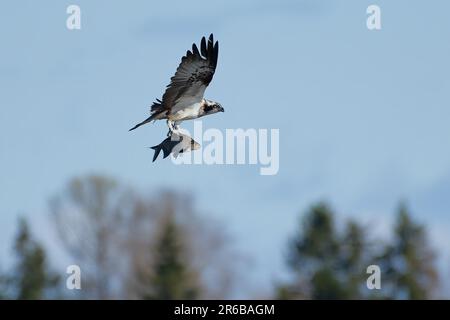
(193, 75)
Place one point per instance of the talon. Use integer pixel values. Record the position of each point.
(170, 124)
(173, 127)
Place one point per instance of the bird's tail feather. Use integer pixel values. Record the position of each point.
(156, 115)
(166, 153)
(142, 123)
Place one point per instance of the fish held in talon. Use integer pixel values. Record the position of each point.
(175, 144)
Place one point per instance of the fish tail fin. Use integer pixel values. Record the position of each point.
(157, 151)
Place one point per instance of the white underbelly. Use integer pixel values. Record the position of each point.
(188, 113)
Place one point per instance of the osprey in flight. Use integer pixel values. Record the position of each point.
(183, 99)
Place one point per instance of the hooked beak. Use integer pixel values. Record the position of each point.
(196, 146)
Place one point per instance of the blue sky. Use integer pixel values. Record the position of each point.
(363, 115)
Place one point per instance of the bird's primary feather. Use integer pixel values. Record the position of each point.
(193, 75)
(183, 98)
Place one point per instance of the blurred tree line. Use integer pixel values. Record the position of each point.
(127, 245)
(131, 246)
(329, 262)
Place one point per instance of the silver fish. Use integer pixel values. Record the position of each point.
(176, 143)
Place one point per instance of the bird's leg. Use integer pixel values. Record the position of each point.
(173, 127)
(170, 124)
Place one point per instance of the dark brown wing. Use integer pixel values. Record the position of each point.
(193, 75)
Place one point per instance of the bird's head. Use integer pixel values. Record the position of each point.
(211, 107)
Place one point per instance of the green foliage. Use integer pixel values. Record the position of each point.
(409, 261)
(326, 263)
(164, 251)
(325, 285)
(170, 277)
(31, 278)
(331, 264)
(3, 286)
(318, 243)
(164, 248)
